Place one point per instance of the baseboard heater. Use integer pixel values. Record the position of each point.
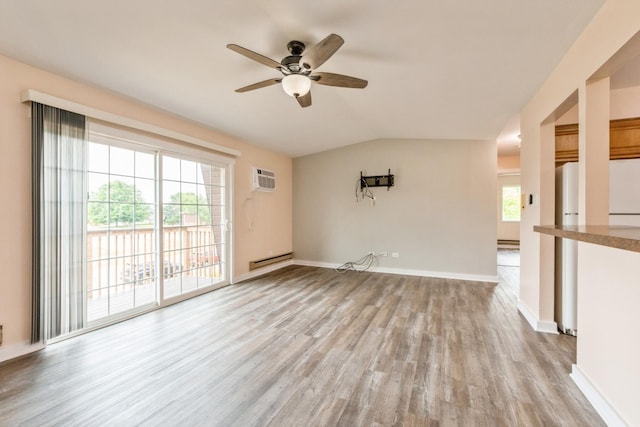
(509, 242)
(268, 261)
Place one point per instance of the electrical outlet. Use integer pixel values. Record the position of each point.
(384, 253)
(395, 254)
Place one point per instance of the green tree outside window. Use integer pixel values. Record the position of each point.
(118, 203)
(511, 203)
(186, 203)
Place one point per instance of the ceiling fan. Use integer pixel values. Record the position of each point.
(299, 69)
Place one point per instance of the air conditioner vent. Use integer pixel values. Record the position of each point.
(263, 180)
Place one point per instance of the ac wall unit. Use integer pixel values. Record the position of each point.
(264, 180)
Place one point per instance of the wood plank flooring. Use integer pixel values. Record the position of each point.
(307, 346)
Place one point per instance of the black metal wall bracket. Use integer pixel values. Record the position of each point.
(377, 180)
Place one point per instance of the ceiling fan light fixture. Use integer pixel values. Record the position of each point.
(296, 85)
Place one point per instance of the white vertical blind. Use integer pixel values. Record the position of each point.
(59, 138)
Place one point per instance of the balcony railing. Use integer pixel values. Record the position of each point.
(122, 258)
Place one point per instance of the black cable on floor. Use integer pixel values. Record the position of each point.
(363, 264)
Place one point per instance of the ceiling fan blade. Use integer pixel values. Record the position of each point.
(340, 80)
(255, 56)
(304, 100)
(258, 85)
(318, 54)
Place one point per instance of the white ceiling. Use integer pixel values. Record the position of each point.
(455, 69)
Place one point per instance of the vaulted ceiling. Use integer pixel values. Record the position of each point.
(459, 69)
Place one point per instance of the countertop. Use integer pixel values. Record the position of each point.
(614, 236)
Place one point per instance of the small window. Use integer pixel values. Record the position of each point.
(510, 203)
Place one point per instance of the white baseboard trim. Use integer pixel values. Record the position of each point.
(537, 325)
(408, 272)
(260, 271)
(376, 269)
(18, 350)
(599, 403)
(315, 263)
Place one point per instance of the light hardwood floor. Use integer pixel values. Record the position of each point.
(307, 346)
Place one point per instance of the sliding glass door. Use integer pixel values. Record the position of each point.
(194, 225)
(156, 226)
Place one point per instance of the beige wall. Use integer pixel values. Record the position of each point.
(608, 350)
(272, 233)
(625, 104)
(613, 26)
(439, 216)
(509, 164)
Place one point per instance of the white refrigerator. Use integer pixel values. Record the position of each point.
(624, 210)
(566, 271)
(624, 192)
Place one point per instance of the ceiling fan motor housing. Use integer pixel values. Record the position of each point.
(291, 65)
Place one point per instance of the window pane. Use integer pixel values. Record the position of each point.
(212, 175)
(170, 168)
(144, 293)
(119, 299)
(188, 171)
(171, 256)
(98, 157)
(121, 189)
(511, 203)
(97, 276)
(97, 214)
(171, 192)
(97, 304)
(145, 165)
(188, 192)
(97, 186)
(146, 189)
(201, 189)
(217, 218)
(204, 215)
(121, 161)
(145, 214)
